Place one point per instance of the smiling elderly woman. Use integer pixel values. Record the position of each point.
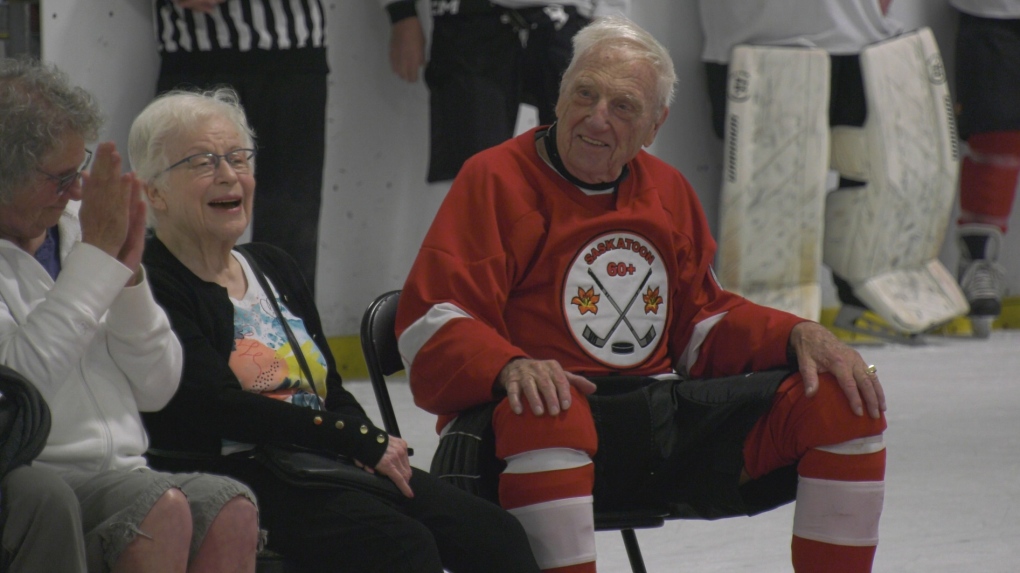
(243, 387)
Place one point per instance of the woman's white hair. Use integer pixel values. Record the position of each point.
(616, 32)
(176, 114)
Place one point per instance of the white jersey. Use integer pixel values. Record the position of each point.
(587, 8)
(838, 26)
(989, 8)
(590, 8)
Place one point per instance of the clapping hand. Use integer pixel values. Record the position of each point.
(112, 211)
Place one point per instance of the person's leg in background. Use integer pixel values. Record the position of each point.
(42, 527)
(288, 113)
(848, 107)
(988, 180)
(988, 87)
(547, 55)
(473, 76)
(716, 76)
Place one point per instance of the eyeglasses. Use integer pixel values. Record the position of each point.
(207, 163)
(64, 182)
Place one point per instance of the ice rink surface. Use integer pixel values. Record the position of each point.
(952, 501)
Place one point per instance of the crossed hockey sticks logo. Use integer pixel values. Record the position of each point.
(600, 341)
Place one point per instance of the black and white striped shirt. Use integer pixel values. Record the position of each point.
(241, 26)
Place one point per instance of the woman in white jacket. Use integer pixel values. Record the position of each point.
(78, 320)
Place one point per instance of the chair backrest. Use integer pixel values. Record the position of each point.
(379, 345)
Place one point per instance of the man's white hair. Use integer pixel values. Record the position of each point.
(616, 32)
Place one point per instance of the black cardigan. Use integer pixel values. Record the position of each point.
(210, 404)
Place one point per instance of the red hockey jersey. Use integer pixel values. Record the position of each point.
(521, 263)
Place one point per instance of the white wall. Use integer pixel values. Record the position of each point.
(107, 47)
(376, 205)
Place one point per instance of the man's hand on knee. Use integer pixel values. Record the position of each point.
(543, 384)
(818, 350)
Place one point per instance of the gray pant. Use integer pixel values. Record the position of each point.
(43, 528)
(115, 502)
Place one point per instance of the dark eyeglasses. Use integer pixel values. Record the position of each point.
(207, 163)
(64, 182)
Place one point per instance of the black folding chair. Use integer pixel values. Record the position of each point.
(379, 345)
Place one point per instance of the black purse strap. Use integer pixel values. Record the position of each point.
(268, 289)
(298, 353)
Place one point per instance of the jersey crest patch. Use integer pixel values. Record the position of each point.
(615, 298)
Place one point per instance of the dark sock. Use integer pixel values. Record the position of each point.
(975, 245)
(846, 292)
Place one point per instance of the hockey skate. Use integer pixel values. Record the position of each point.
(982, 278)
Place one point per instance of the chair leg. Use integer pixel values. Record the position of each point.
(637, 563)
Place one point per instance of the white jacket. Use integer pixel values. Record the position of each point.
(98, 352)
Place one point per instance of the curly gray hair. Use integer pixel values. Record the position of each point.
(38, 106)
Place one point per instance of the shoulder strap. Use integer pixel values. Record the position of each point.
(268, 289)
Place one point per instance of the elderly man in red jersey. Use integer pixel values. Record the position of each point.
(567, 279)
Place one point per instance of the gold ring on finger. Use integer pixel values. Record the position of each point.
(871, 369)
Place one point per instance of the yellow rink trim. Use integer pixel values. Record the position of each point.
(349, 359)
(351, 363)
(1010, 318)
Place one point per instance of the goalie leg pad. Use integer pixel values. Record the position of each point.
(776, 164)
(884, 237)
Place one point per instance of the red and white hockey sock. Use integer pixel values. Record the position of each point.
(839, 503)
(548, 481)
(840, 461)
(988, 178)
(555, 512)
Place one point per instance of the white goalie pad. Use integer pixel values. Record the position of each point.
(884, 238)
(775, 166)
